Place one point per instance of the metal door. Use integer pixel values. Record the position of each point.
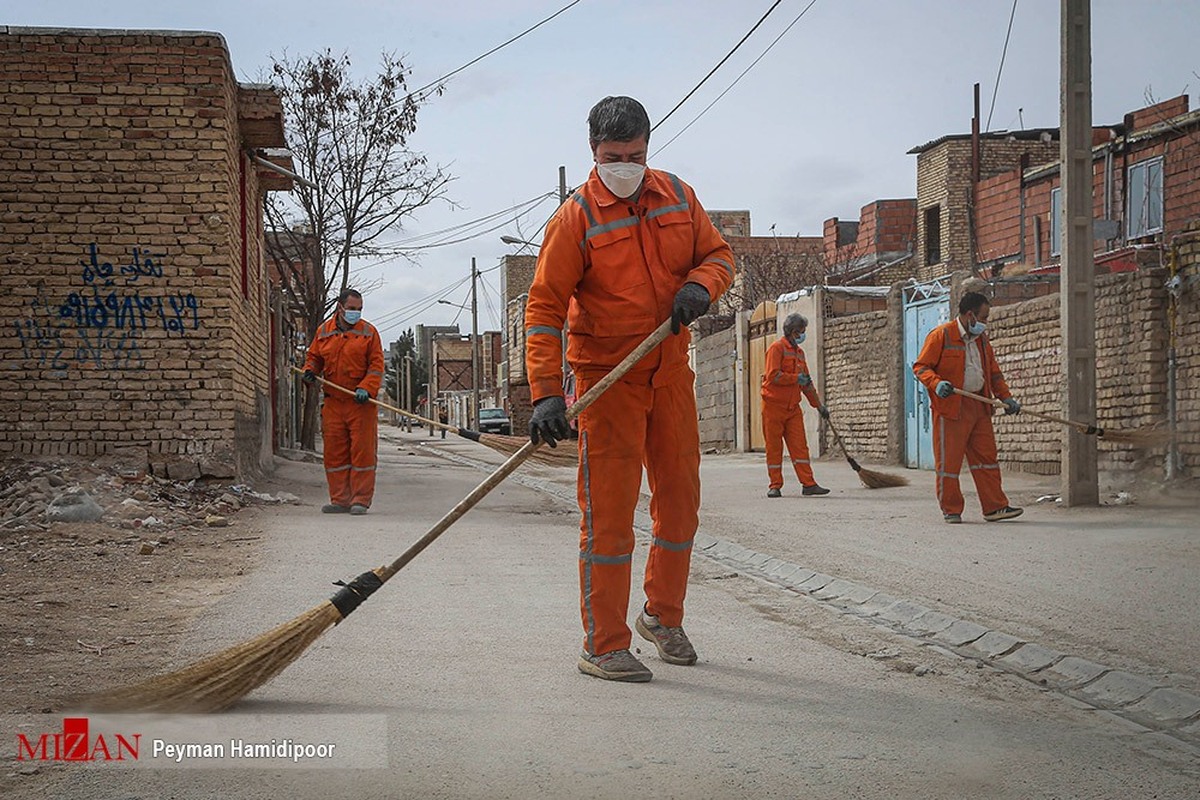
(925, 307)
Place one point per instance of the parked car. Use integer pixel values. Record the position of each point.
(495, 420)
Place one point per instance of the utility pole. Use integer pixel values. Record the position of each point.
(1077, 290)
(408, 390)
(474, 347)
(562, 198)
(395, 417)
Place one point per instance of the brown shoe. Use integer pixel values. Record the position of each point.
(619, 665)
(672, 643)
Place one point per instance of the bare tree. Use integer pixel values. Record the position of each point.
(767, 274)
(350, 139)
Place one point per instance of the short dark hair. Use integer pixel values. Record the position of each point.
(972, 301)
(347, 294)
(617, 119)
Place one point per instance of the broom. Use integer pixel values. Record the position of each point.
(1144, 437)
(220, 680)
(870, 478)
(554, 457)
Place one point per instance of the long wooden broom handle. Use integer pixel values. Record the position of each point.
(991, 401)
(515, 460)
(382, 404)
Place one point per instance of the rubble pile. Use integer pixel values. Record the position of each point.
(35, 495)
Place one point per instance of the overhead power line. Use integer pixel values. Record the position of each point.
(718, 66)
(501, 46)
(774, 42)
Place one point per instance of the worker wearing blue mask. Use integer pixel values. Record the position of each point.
(958, 355)
(785, 378)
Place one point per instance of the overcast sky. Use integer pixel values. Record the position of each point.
(817, 129)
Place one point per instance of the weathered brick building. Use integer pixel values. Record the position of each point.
(877, 249)
(947, 171)
(133, 290)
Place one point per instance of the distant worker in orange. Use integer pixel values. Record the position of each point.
(347, 351)
(630, 249)
(958, 355)
(785, 378)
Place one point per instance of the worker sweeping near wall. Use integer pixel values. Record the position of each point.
(785, 378)
(958, 355)
(347, 351)
(631, 248)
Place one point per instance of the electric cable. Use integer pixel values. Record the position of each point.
(718, 66)
(1000, 70)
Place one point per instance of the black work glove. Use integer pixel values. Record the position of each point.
(310, 377)
(549, 421)
(691, 302)
(823, 410)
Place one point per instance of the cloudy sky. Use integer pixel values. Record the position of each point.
(817, 129)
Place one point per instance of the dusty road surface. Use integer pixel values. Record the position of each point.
(461, 673)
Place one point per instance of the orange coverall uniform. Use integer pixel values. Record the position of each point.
(351, 358)
(962, 426)
(610, 267)
(782, 417)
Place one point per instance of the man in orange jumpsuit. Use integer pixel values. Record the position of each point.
(785, 377)
(347, 351)
(631, 248)
(959, 355)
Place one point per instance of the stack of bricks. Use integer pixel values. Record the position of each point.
(861, 354)
(133, 295)
(715, 363)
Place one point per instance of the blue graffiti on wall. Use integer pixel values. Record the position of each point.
(107, 316)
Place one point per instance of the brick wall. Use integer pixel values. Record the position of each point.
(1130, 371)
(715, 358)
(885, 228)
(125, 320)
(861, 359)
(1187, 348)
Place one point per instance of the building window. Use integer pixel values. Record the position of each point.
(933, 235)
(1145, 215)
(1056, 222)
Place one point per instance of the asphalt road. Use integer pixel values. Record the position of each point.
(463, 670)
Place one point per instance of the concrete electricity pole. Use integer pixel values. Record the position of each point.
(474, 347)
(1080, 486)
(408, 390)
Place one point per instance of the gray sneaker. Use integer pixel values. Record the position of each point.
(619, 665)
(358, 510)
(672, 643)
(333, 508)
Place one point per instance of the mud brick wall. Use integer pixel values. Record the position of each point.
(133, 304)
(1131, 343)
(862, 355)
(1187, 353)
(715, 360)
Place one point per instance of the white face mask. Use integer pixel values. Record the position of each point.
(622, 178)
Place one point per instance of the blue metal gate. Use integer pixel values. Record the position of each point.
(926, 305)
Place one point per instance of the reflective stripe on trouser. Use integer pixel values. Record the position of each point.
(631, 424)
(350, 433)
(780, 426)
(970, 435)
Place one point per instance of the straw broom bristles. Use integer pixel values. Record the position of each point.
(220, 680)
(872, 479)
